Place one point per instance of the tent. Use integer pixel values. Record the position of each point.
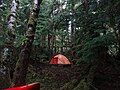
(33, 86)
(59, 59)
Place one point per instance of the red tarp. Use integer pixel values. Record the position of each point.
(33, 86)
(59, 59)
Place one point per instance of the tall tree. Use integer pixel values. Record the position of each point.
(24, 56)
(8, 51)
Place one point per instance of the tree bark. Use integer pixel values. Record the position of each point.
(24, 56)
(8, 50)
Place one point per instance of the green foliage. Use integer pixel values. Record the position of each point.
(92, 49)
(96, 32)
(91, 30)
(94, 29)
(64, 23)
(20, 40)
(3, 14)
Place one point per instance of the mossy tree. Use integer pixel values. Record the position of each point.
(7, 56)
(19, 77)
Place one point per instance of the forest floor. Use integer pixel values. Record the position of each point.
(53, 77)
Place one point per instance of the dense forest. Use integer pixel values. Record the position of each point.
(87, 32)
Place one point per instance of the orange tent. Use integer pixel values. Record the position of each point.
(59, 59)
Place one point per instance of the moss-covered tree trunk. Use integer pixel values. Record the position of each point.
(8, 49)
(19, 77)
(118, 54)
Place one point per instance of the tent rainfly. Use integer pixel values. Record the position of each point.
(59, 59)
(33, 86)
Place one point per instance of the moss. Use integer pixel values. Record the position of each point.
(4, 82)
(30, 32)
(76, 85)
(31, 21)
(82, 85)
(69, 85)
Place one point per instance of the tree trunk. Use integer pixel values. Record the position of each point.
(49, 41)
(118, 54)
(8, 50)
(23, 62)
